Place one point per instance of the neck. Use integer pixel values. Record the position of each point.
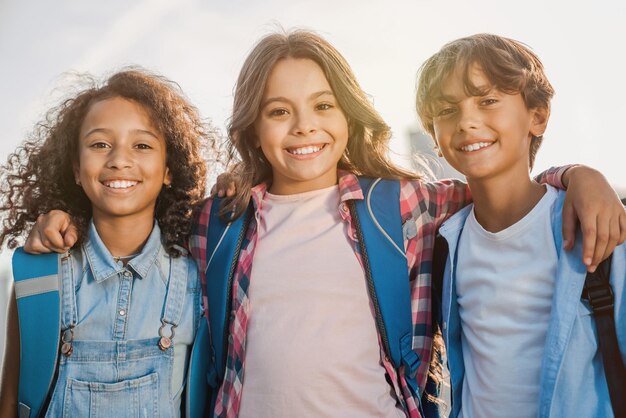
(123, 236)
(502, 201)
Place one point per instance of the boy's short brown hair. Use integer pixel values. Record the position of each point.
(509, 65)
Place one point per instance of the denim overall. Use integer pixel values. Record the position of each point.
(117, 378)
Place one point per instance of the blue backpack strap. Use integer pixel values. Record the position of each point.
(380, 221)
(224, 240)
(37, 284)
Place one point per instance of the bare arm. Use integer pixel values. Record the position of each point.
(592, 202)
(11, 362)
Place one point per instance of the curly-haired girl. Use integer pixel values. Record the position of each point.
(125, 159)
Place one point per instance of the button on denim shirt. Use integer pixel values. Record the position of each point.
(112, 306)
(572, 382)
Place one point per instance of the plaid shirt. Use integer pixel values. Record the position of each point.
(423, 205)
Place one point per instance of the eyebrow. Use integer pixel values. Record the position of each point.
(447, 98)
(483, 91)
(284, 99)
(134, 131)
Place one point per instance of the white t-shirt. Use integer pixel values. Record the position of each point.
(312, 347)
(504, 284)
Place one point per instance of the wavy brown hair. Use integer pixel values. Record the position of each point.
(367, 149)
(38, 176)
(509, 65)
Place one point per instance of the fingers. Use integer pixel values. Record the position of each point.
(589, 230)
(602, 244)
(224, 190)
(33, 244)
(230, 192)
(71, 236)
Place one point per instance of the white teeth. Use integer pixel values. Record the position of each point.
(476, 146)
(120, 184)
(304, 150)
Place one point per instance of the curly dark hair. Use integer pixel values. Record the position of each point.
(38, 176)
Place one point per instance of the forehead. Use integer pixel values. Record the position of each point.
(465, 80)
(120, 112)
(295, 77)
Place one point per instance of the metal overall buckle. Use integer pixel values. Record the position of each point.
(165, 342)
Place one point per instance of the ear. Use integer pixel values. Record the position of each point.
(539, 121)
(167, 181)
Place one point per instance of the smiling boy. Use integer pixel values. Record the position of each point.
(521, 342)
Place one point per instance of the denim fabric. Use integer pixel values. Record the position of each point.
(572, 382)
(116, 368)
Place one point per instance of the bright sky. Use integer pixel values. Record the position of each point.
(202, 44)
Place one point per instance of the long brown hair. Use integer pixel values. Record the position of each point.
(366, 152)
(38, 176)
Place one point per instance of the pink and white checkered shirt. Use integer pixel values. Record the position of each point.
(423, 205)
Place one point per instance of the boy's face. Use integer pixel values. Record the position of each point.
(487, 135)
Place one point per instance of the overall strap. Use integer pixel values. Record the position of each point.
(174, 299)
(379, 226)
(598, 292)
(38, 303)
(69, 311)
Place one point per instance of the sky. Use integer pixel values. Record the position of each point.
(202, 45)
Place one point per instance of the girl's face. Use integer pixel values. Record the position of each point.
(122, 160)
(301, 129)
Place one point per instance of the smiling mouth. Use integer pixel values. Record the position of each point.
(476, 146)
(310, 149)
(120, 184)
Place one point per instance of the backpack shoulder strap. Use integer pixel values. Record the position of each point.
(380, 222)
(597, 290)
(37, 285)
(224, 240)
(440, 256)
(207, 362)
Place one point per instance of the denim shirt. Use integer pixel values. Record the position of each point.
(122, 303)
(572, 382)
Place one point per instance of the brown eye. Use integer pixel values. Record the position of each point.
(99, 145)
(278, 112)
(446, 111)
(487, 102)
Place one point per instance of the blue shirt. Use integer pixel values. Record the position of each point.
(572, 382)
(116, 302)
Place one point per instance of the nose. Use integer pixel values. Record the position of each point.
(469, 118)
(119, 158)
(305, 123)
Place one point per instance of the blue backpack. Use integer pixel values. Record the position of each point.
(379, 229)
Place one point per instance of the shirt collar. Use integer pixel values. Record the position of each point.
(349, 189)
(102, 263)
